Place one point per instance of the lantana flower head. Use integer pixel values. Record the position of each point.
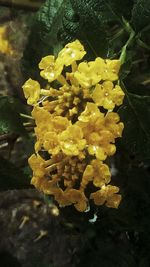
(76, 128)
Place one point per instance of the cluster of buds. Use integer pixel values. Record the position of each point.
(75, 128)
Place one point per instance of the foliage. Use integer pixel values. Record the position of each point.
(43, 33)
(10, 119)
(11, 127)
(140, 14)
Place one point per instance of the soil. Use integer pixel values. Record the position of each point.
(33, 234)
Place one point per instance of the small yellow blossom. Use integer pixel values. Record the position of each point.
(113, 125)
(37, 164)
(51, 143)
(99, 131)
(101, 173)
(87, 176)
(97, 172)
(70, 53)
(98, 151)
(90, 113)
(47, 128)
(61, 198)
(77, 198)
(89, 73)
(74, 129)
(107, 194)
(31, 91)
(107, 96)
(111, 70)
(71, 140)
(60, 124)
(51, 68)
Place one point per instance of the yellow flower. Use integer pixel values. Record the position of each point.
(113, 125)
(50, 143)
(43, 121)
(51, 68)
(50, 137)
(70, 53)
(77, 198)
(87, 176)
(37, 164)
(101, 173)
(111, 70)
(98, 151)
(71, 140)
(40, 115)
(89, 73)
(60, 124)
(47, 129)
(97, 172)
(74, 134)
(61, 198)
(99, 143)
(71, 196)
(90, 113)
(107, 96)
(99, 131)
(41, 172)
(107, 194)
(103, 136)
(31, 91)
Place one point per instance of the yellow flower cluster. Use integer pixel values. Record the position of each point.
(75, 128)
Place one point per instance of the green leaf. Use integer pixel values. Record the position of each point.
(10, 120)
(61, 21)
(43, 35)
(11, 177)
(141, 14)
(104, 11)
(121, 7)
(135, 114)
(92, 21)
(83, 20)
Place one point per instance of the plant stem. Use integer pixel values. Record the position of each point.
(117, 34)
(142, 44)
(129, 29)
(123, 51)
